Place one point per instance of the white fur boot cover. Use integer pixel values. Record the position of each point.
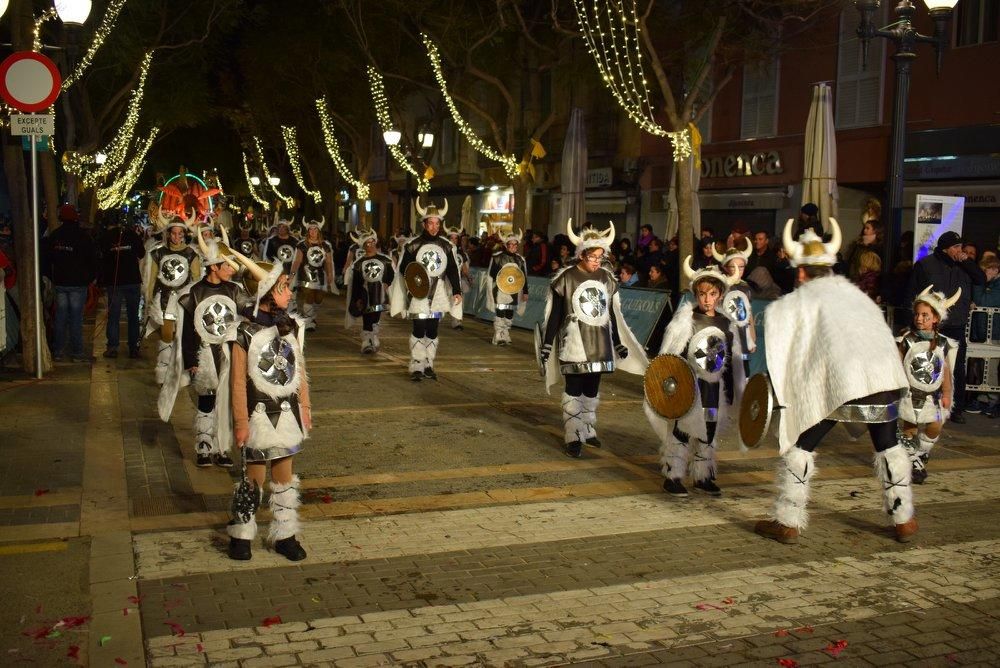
(418, 353)
(505, 330)
(430, 352)
(309, 314)
(673, 458)
(893, 470)
(284, 503)
(456, 323)
(796, 469)
(375, 330)
(497, 331)
(925, 444)
(703, 466)
(164, 356)
(246, 531)
(367, 340)
(574, 424)
(204, 430)
(590, 416)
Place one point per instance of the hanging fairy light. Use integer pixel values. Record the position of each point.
(48, 14)
(100, 35)
(118, 191)
(381, 104)
(681, 143)
(251, 185)
(509, 162)
(333, 148)
(290, 135)
(289, 201)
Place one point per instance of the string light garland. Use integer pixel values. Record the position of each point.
(381, 104)
(289, 201)
(100, 35)
(333, 148)
(118, 191)
(681, 143)
(612, 38)
(50, 13)
(292, 147)
(253, 192)
(509, 162)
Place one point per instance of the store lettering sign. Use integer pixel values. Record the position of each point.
(742, 164)
(599, 178)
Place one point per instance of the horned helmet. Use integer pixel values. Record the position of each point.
(710, 273)
(810, 249)
(590, 238)
(937, 301)
(431, 210)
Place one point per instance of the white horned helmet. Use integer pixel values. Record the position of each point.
(732, 253)
(938, 302)
(590, 238)
(164, 223)
(431, 210)
(361, 237)
(259, 278)
(810, 250)
(214, 251)
(513, 236)
(318, 224)
(453, 231)
(244, 225)
(711, 273)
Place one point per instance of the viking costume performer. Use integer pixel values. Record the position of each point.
(506, 286)
(462, 258)
(736, 302)
(831, 358)
(371, 275)
(170, 269)
(358, 238)
(703, 338)
(928, 360)
(282, 246)
(207, 319)
(246, 243)
(432, 288)
(271, 409)
(313, 269)
(584, 335)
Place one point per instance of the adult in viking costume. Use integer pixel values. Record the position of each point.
(371, 275)
(432, 287)
(313, 269)
(271, 408)
(207, 320)
(703, 338)
(928, 360)
(736, 302)
(171, 267)
(462, 258)
(246, 243)
(282, 246)
(831, 358)
(506, 281)
(584, 336)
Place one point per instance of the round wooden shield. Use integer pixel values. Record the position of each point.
(755, 410)
(669, 386)
(510, 279)
(418, 283)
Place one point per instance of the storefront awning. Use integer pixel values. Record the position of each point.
(748, 199)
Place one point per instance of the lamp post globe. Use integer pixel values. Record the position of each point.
(425, 138)
(274, 180)
(392, 137)
(255, 180)
(73, 12)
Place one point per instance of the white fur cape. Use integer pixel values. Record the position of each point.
(827, 343)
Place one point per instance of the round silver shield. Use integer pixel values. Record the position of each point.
(316, 256)
(707, 353)
(246, 246)
(174, 270)
(285, 253)
(736, 306)
(590, 303)
(433, 259)
(372, 270)
(924, 367)
(215, 319)
(277, 362)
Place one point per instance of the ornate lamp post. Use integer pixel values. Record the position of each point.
(905, 37)
(425, 140)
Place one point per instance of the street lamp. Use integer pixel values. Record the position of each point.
(274, 180)
(73, 12)
(905, 37)
(425, 138)
(3, 7)
(255, 180)
(392, 137)
(100, 158)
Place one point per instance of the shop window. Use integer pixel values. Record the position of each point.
(760, 100)
(976, 22)
(859, 91)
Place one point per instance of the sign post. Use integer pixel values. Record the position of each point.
(30, 82)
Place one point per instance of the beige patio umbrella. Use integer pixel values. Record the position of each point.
(468, 222)
(819, 176)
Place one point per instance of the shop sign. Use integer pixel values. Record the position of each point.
(764, 163)
(599, 178)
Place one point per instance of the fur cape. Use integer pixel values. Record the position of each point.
(827, 343)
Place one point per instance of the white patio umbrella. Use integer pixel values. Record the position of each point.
(468, 222)
(819, 175)
(574, 173)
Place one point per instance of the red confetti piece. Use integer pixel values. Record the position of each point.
(37, 634)
(38, 609)
(135, 599)
(40, 491)
(788, 663)
(804, 629)
(780, 633)
(728, 600)
(835, 648)
(199, 648)
(72, 622)
(175, 628)
(326, 498)
(124, 612)
(707, 606)
(74, 652)
(271, 621)
(120, 661)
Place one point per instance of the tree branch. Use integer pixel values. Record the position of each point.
(669, 104)
(706, 68)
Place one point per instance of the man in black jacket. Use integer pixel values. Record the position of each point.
(70, 261)
(121, 249)
(949, 269)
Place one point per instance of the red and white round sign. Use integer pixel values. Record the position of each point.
(29, 81)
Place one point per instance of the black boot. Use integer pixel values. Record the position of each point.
(239, 549)
(290, 549)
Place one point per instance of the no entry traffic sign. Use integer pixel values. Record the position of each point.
(29, 81)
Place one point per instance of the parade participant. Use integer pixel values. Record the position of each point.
(271, 407)
(246, 243)
(709, 342)
(928, 360)
(371, 275)
(438, 289)
(352, 254)
(821, 377)
(502, 288)
(462, 258)
(171, 267)
(282, 245)
(313, 268)
(207, 320)
(585, 336)
(736, 304)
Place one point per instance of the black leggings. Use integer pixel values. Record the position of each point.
(206, 403)
(883, 435)
(368, 320)
(586, 384)
(426, 328)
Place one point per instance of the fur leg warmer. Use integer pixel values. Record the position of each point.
(893, 470)
(367, 340)
(925, 444)
(418, 353)
(505, 330)
(796, 469)
(574, 422)
(375, 330)
(204, 429)
(673, 458)
(284, 503)
(164, 357)
(589, 406)
(703, 466)
(309, 314)
(430, 352)
(246, 531)
(456, 323)
(497, 331)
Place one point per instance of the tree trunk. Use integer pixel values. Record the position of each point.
(520, 184)
(685, 232)
(50, 188)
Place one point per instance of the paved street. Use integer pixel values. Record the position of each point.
(445, 527)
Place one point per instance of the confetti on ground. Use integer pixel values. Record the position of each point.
(327, 498)
(780, 633)
(788, 663)
(71, 622)
(74, 652)
(729, 600)
(40, 491)
(124, 612)
(199, 648)
(175, 628)
(120, 661)
(271, 621)
(835, 648)
(804, 629)
(105, 640)
(708, 606)
(135, 599)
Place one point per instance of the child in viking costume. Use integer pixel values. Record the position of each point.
(207, 320)
(371, 275)
(313, 268)
(271, 407)
(432, 288)
(928, 360)
(831, 358)
(171, 267)
(503, 294)
(462, 258)
(708, 342)
(584, 336)
(736, 303)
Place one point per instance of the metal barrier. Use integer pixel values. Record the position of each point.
(987, 349)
